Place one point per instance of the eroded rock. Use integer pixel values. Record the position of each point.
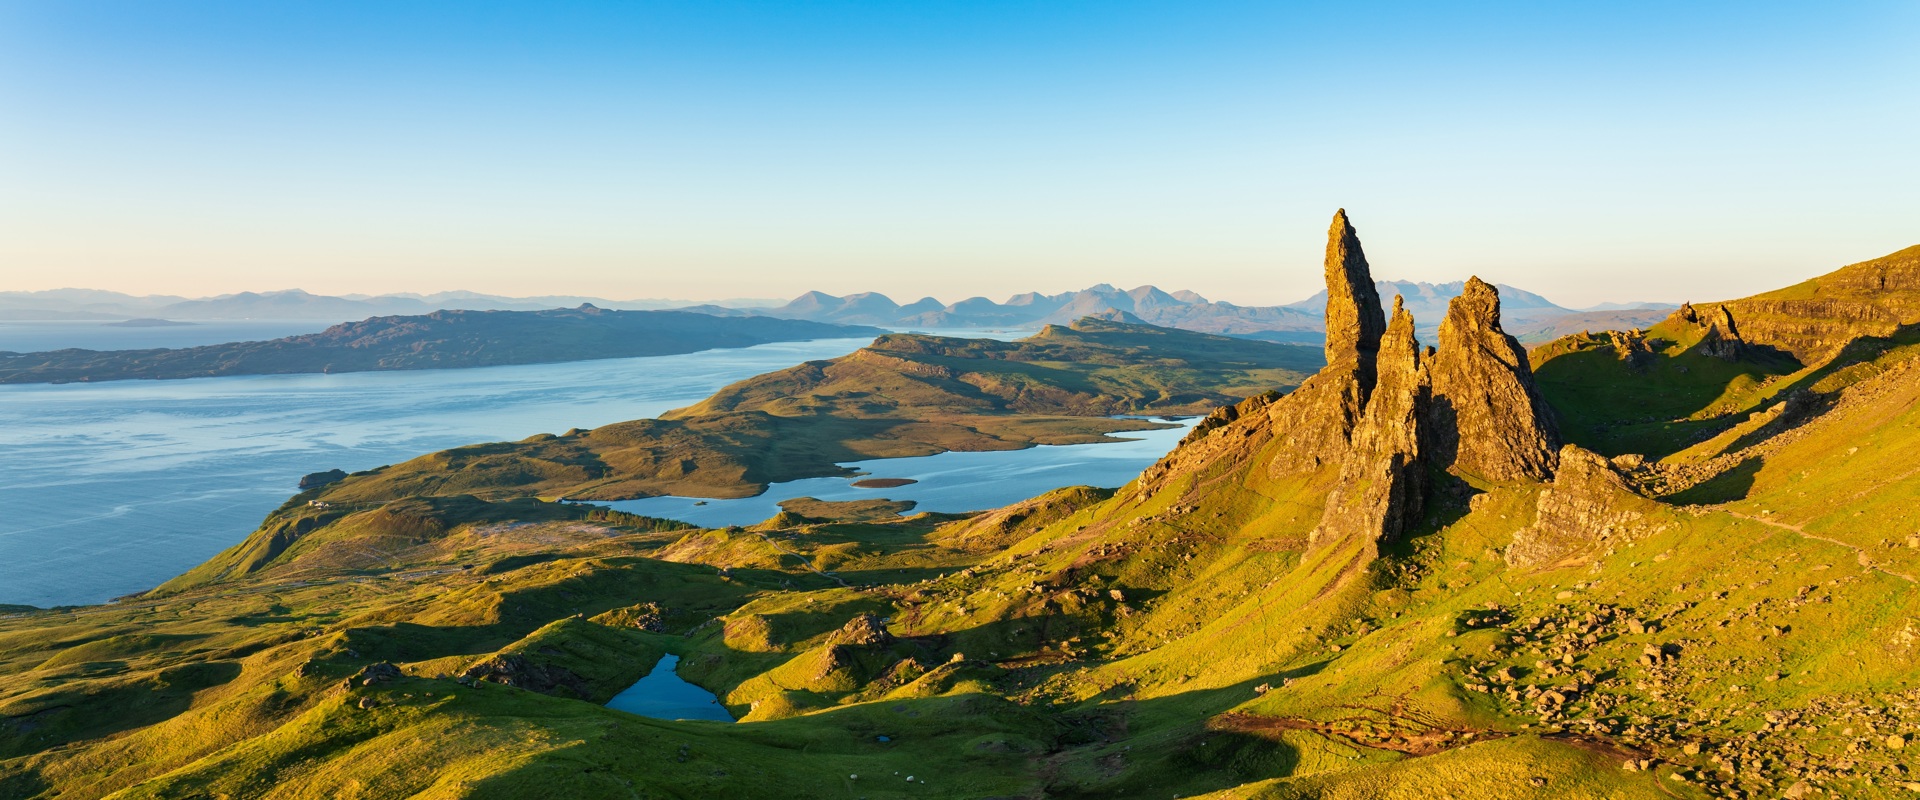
(1589, 504)
(1382, 484)
(1487, 418)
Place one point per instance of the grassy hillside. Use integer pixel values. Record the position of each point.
(1683, 382)
(1175, 638)
(906, 395)
(1736, 619)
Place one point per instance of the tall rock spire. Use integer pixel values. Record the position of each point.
(1382, 485)
(1488, 418)
(1321, 414)
(1354, 321)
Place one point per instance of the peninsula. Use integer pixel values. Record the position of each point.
(440, 340)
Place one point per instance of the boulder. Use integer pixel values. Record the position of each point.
(318, 479)
(380, 672)
(1588, 505)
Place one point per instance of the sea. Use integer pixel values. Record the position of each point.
(109, 489)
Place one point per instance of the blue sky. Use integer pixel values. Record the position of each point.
(1617, 151)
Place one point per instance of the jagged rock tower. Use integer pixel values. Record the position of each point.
(1472, 407)
(1488, 418)
(1382, 486)
(1322, 413)
(1354, 322)
(1387, 414)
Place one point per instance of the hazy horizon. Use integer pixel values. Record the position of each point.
(1642, 152)
(753, 302)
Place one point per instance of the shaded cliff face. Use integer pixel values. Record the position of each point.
(1382, 484)
(1814, 319)
(1488, 418)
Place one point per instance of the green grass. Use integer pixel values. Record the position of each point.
(1177, 637)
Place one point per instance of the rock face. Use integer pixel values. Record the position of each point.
(1382, 483)
(1385, 412)
(1588, 504)
(315, 480)
(1488, 418)
(1318, 417)
(1721, 338)
(1354, 321)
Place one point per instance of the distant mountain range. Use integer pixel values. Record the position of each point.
(1533, 317)
(85, 304)
(1530, 316)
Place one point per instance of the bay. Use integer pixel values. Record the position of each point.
(952, 482)
(113, 488)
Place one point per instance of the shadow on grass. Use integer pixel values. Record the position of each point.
(1734, 484)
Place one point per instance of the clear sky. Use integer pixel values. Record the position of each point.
(1587, 151)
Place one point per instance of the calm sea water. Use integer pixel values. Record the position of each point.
(950, 482)
(112, 488)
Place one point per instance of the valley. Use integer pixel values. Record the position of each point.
(1667, 561)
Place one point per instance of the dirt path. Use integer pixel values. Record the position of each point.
(1860, 554)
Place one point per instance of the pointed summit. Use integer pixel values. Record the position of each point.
(1354, 320)
(1488, 417)
(1325, 409)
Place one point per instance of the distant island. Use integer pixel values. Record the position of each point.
(440, 340)
(148, 322)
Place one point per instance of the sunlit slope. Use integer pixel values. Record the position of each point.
(1392, 581)
(1814, 318)
(1705, 369)
(1096, 366)
(904, 396)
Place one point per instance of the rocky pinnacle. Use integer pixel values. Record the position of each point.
(1382, 485)
(1488, 417)
(1354, 320)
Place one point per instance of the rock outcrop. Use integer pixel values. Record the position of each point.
(1719, 338)
(1588, 506)
(1354, 321)
(863, 630)
(315, 480)
(1386, 412)
(1488, 418)
(1318, 417)
(1382, 484)
(516, 670)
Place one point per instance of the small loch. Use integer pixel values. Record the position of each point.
(663, 694)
